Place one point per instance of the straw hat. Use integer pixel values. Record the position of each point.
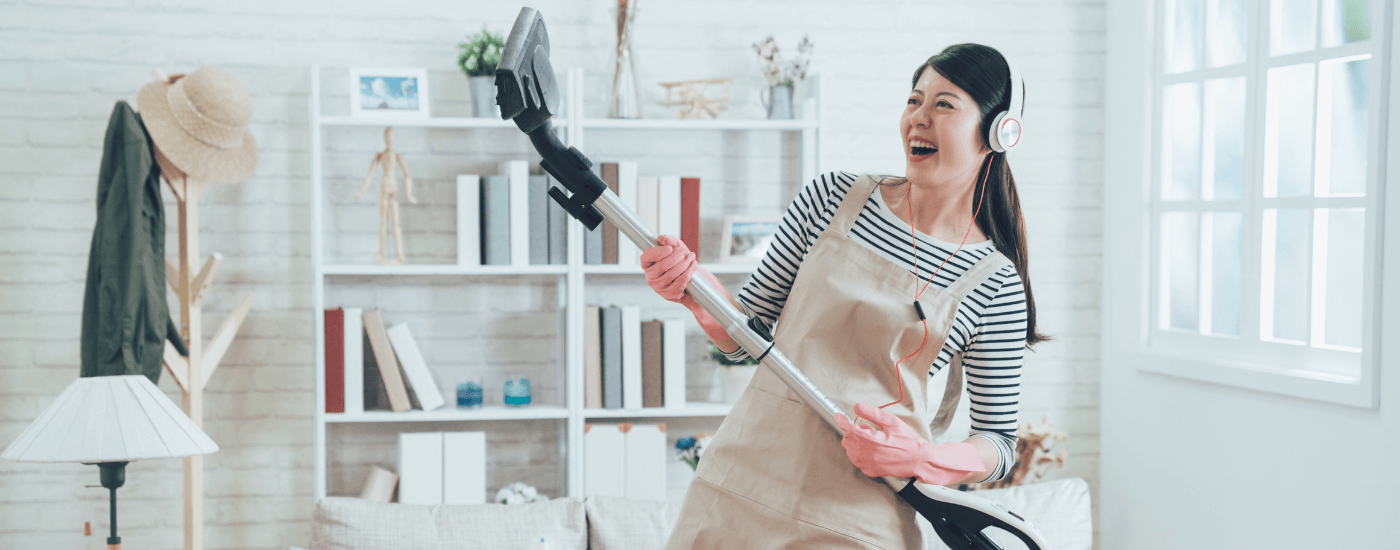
(200, 123)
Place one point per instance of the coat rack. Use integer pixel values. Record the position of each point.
(192, 374)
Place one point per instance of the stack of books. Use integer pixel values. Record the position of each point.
(507, 219)
(442, 468)
(398, 378)
(630, 363)
(669, 205)
(625, 460)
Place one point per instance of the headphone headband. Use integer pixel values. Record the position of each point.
(1005, 132)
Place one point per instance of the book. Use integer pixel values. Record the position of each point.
(652, 375)
(631, 357)
(420, 468)
(519, 173)
(379, 485)
(610, 234)
(539, 220)
(593, 239)
(469, 219)
(592, 358)
(375, 396)
(464, 468)
(354, 360)
(668, 206)
(647, 189)
(612, 357)
(419, 378)
(690, 214)
(558, 227)
(673, 362)
(384, 358)
(603, 455)
(627, 251)
(495, 220)
(644, 461)
(334, 320)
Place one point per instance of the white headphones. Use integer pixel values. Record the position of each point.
(1005, 131)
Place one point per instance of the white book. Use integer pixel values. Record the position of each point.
(420, 468)
(673, 363)
(519, 172)
(647, 188)
(603, 461)
(419, 378)
(464, 468)
(645, 462)
(469, 219)
(627, 251)
(631, 357)
(354, 361)
(668, 206)
(379, 486)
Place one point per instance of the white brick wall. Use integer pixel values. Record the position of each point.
(65, 63)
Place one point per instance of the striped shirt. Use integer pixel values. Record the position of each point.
(989, 328)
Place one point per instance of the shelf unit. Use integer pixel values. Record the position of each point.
(572, 274)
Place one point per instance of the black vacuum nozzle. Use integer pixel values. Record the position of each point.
(527, 92)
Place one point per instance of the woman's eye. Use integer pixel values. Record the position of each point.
(945, 104)
(912, 101)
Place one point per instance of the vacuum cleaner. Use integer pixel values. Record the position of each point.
(528, 93)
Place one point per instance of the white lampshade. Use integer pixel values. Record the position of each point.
(110, 419)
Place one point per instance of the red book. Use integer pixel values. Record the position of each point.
(335, 360)
(690, 214)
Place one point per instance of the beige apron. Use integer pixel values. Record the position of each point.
(775, 476)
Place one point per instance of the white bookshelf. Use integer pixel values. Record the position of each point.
(573, 275)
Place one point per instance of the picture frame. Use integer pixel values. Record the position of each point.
(746, 238)
(378, 92)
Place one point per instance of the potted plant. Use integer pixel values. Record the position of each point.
(477, 57)
(781, 75)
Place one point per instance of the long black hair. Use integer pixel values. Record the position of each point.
(982, 72)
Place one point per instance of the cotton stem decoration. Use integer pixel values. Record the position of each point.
(625, 97)
(781, 72)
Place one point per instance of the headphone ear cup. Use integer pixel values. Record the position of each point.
(994, 134)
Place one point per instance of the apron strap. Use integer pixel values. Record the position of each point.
(852, 204)
(983, 269)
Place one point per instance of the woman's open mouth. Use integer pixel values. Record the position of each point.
(918, 148)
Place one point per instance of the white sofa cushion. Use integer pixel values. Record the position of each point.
(357, 524)
(1059, 509)
(616, 523)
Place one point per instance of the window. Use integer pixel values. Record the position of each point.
(1264, 198)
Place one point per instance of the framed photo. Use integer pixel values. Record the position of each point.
(388, 92)
(746, 238)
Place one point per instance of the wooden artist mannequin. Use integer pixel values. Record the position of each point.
(388, 191)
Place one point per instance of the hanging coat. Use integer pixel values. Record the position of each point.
(125, 318)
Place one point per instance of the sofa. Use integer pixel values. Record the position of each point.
(1060, 509)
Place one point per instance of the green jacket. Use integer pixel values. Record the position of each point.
(125, 318)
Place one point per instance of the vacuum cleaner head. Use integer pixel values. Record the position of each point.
(525, 85)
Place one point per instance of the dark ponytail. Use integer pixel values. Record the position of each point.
(982, 72)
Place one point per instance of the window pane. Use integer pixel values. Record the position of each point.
(1181, 152)
(1227, 32)
(1225, 116)
(1287, 245)
(1180, 255)
(1341, 263)
(1183, 35)
(1292, 26)
(1342, 98)
(1288, 132)
(1345, 21)
(1226, 228)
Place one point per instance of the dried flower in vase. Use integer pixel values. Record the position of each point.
(778, 71)
(1035, 456)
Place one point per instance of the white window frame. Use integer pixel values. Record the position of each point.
(1133, 109)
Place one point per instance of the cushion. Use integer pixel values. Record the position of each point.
(1059, 509)
(616, 523)
(357, 524)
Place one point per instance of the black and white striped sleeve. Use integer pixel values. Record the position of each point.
(993, 363)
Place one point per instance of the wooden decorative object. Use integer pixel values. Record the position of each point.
(1034, 456)
(692, 94)
(388, 196)
(192, 374)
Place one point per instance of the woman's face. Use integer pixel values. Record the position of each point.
(943, 123)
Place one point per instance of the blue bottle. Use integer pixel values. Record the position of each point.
(517, 392)
(469, 394)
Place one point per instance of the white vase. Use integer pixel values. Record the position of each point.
(735, 379)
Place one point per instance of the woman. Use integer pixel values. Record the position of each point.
(858, 322)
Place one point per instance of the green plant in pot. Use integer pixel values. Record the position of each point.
(477, 58)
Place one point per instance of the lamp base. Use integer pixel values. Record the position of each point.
(113, 475)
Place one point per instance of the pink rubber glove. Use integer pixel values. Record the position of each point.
(895, 450)
(669, 266)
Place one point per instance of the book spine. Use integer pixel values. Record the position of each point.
(420, 468)
(464, 468)
(603, 455)
(384, 357)
(379, 485)
(469, 219)
(652, 376)
(354, 361)
(668, 202)
(644, 462)
(419, 378)
(539, 220)
(673, 348)
(592, 358)
(610, 235)
(495, 215)
(627, 251)
(612, 357)
(335, 360)
(690, 214)
(631, 357)
(519, 173)
(558, 228)
(593, 239)
(647, 188)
